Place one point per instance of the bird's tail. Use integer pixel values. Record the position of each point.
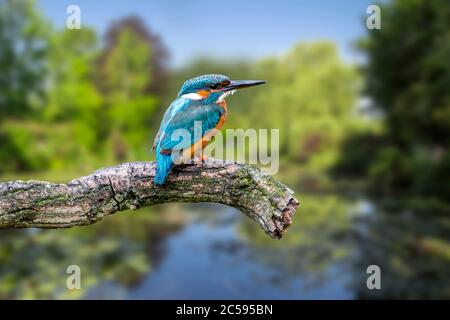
(163, 166)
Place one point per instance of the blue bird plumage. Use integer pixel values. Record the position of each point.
(200, 101)
(164, 165)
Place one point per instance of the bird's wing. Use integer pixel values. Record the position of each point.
(176, 104)
(184, 118)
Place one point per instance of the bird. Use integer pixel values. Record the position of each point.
(200, 100)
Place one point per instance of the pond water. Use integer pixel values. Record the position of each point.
(204, 251)
(208, 260)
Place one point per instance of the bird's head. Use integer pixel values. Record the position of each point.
(213, 88)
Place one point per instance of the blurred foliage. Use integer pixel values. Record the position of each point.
(23, 50)
(310, 97)
(408, 79)
(96, 102)
(408, 71)
(126, 75)
(154, 59)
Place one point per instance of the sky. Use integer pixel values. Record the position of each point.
(228, 29)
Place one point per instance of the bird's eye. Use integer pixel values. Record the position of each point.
(214, 86)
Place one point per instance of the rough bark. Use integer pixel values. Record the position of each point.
(88, 199)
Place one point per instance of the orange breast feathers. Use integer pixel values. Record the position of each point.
(197, 148)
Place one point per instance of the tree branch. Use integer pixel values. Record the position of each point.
(88, 199)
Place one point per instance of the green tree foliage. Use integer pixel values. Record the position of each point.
(23, 48)
(408, 78)
(73, 98)
(310, 97)
(96, 104)
(125, 71)
(72, 111)
(127, 77)
(23, 55)
(156, 62)
(408, 71)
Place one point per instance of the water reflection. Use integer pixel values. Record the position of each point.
(211, 259)
(120, 251)
(212, 251)
(412, 249)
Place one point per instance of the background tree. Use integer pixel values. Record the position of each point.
(408, 78)
(23, 53)
(73, 98)
(157, 57)
(311, 97)
(408, 74)
(130, 81)
(23, 48)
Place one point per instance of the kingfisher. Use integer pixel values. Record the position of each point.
(201, 100)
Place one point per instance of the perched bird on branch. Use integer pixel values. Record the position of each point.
(192, 119)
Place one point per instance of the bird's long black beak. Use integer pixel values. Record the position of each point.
(240, 84)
